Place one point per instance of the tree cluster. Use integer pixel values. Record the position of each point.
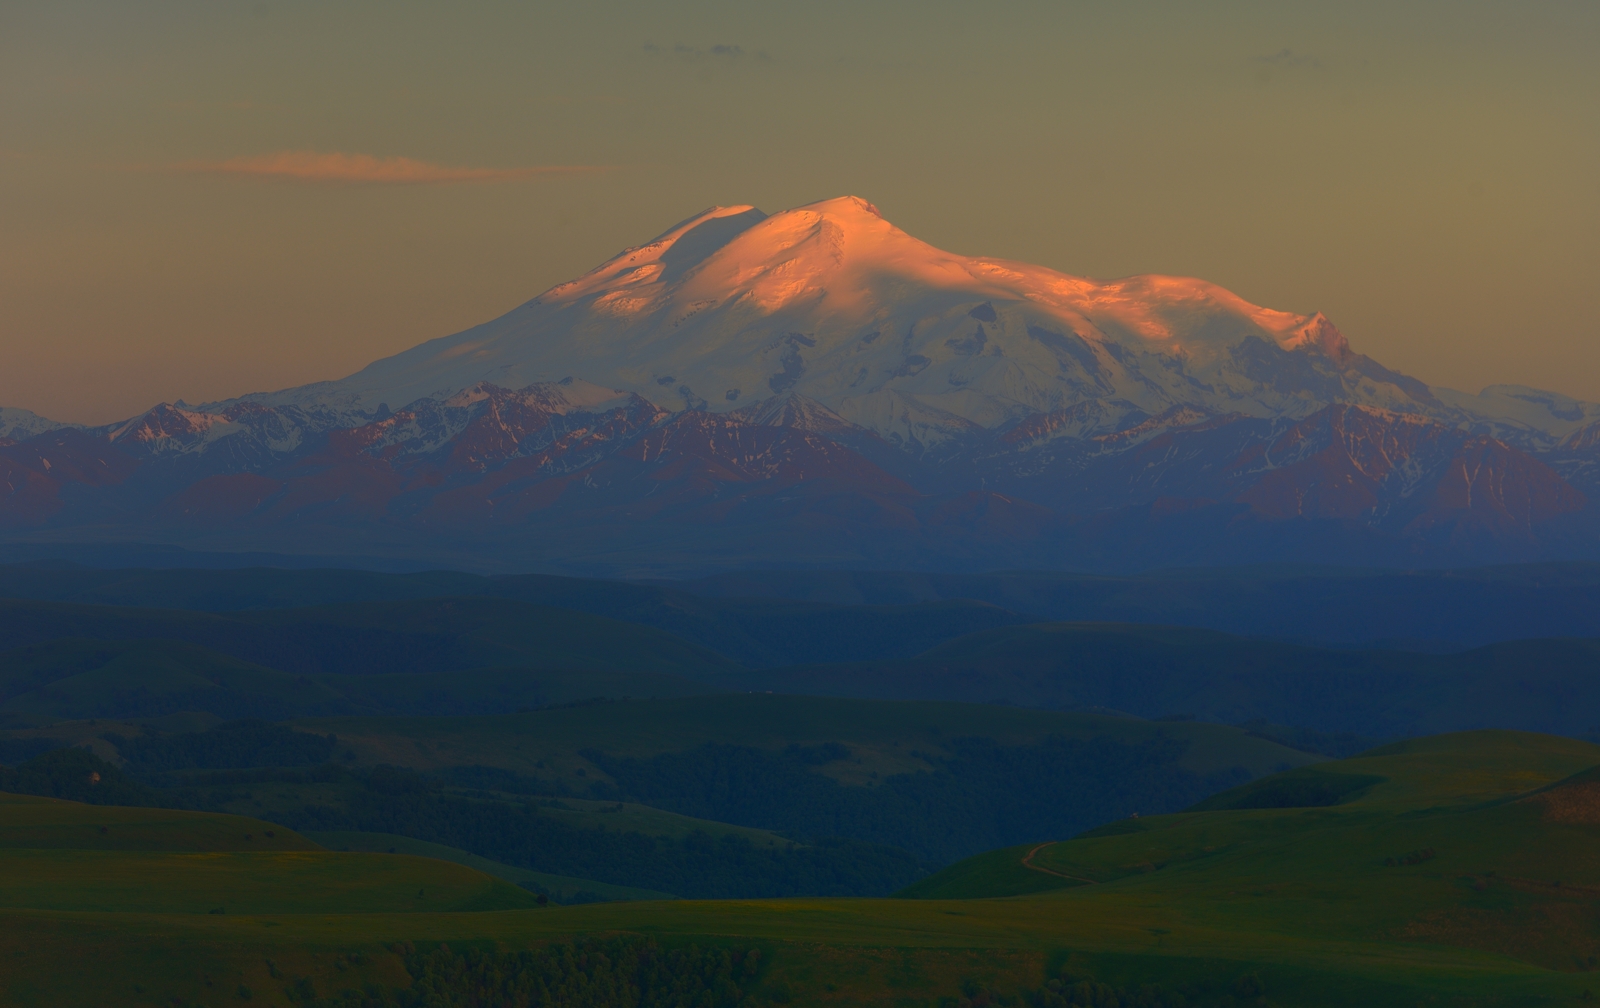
(234, 745)
(77, 775)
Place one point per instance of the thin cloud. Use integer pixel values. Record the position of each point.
(720, 53)
(311, 166)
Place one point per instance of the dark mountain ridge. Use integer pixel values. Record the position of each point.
(636, 490)
(775, 617)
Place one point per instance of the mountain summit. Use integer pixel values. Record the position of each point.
(833, 302)
(819, 387)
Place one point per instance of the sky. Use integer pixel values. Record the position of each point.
(205, 199)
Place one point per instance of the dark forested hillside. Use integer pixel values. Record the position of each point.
(753, 631)
(778, 617)
(979, 794)
(1148, 671)
(487, 655)
(364, 638)
(1427, 609)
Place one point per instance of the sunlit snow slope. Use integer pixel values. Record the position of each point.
(835, 303)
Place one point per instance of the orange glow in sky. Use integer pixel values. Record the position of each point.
(203, 200)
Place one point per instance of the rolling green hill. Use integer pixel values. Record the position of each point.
(28, 821)
(1452, 870)
(561, 888)
(691, 783)
(249, 882)
(62, 855)
(280, 800)
(617, 843)
(1483, 841)
(65, 855)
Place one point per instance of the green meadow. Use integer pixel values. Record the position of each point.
(1458, 869)
(31, 822)
(562, 888)
(252, 882)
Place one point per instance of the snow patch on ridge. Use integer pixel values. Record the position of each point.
(167, 428)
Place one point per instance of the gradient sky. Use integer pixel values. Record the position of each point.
(203, 199)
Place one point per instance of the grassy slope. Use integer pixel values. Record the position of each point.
(1319, 875)
(627, 816)
(49, 823)
(1299, 896)
(881, 735)
(61, 855)
(829, 952)
(277, 799)
(992, 873)
(287, 882)
(561, 887)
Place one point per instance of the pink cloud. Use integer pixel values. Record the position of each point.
(310, 166)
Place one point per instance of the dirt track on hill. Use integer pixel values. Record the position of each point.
(1027, 862)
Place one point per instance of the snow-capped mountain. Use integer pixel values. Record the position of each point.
(835, 303)
(18, 424)
(818, 386)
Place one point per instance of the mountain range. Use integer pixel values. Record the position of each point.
(817, 388)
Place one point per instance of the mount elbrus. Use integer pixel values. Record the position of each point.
(818, 387)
